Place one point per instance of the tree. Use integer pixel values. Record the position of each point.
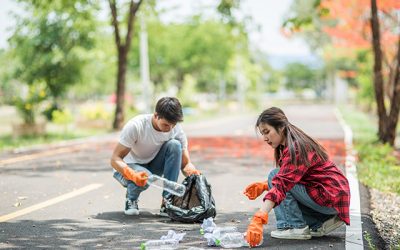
(300, 76)
(48, 43)
(356, 30)
(363, 24)
(123, 46)
(203, 51)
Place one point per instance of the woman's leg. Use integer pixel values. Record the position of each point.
(288, 213)
(313, 213)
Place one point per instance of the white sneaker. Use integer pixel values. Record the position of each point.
(292, 234)
(131, 207)
(327, 227)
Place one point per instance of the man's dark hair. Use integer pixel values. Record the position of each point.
(170, 109)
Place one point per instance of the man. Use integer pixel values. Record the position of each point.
(151, 144)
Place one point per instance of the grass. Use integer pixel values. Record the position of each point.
(377, 167)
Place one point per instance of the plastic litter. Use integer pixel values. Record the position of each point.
(225, 237)
(156, 181)
(160, 245)
(207, 226)
(167, 185)
(166, 242)
(172, 235)
(232, 240)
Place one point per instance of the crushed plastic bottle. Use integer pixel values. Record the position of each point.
(232, 240)
(223, 230)
(214, 237)
(169, 244)
(167, 185)
(173, 235)
(207, 226)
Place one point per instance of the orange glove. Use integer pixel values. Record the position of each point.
(192, 171)
(254, 234)
(139, 178)
(254, 190)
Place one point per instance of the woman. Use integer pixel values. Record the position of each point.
(309, 194)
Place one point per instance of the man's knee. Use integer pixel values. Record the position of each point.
(174, 145)
(271, 176)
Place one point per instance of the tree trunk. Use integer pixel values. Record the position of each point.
(387, 122)
(120, 92)
(123, 50)
(378, 75)
(393, 118)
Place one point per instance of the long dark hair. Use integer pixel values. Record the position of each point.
(296, 139)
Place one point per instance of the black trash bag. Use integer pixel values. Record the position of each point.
(195, 205)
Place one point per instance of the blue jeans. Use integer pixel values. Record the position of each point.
(166, 163)
(298, 209)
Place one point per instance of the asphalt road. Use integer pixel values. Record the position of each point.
(67, 198)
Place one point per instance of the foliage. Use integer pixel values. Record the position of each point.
(62, 116)
(49, 42)
(8, 86)
(377, 167)
(203, 51)
(95, 112)
(300, 76)
(98, 73)
(362, 24)
(28, 103)
(365, 94)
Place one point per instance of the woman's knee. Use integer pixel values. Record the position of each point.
(271, 176)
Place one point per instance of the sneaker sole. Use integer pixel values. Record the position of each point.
(333, 227)
(132, 212)
(163, 214)
(291, 237)
(328, 229)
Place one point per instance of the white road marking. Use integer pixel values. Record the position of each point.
(354, 238)
(50, 202)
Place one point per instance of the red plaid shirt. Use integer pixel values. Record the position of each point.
(324, 182)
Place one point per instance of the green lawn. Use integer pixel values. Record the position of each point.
(377, 167)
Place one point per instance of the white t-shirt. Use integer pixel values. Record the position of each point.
(145, 141)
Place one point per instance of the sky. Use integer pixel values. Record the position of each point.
(268, 14)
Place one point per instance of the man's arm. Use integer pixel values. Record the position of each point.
(187, 166)
(117, 162)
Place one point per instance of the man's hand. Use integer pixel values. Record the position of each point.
(191, 171)
(254, 190)
(139, 178)
(254, 234)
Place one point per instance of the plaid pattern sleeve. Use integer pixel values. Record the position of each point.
(324, 182)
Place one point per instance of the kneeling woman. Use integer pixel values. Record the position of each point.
(309, 194)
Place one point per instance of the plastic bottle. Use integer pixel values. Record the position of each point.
(167, 185)
(160, 245)
(231, 240)
(223, 230)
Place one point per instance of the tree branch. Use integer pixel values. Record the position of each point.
(114, 22)
(133, 8)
